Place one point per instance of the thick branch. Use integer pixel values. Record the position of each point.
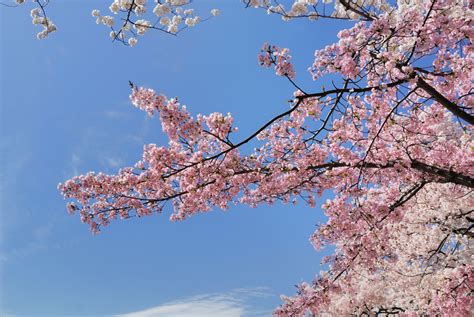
(451, 106)
(348, 6)
(447, 176)
(353, 90)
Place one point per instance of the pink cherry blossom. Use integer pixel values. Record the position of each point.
(392, 140)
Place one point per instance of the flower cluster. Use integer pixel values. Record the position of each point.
(183, 174)
(280, 58)
(38, 16)
(129, 19)
(314, 9)
(392, 140)
(415, 265)
(170, 16)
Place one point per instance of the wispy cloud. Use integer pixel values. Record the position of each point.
(75, 161)
(236, 303)
(113, 114)
(38, 241)
(111, 162)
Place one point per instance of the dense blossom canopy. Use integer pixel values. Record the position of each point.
(392, 140)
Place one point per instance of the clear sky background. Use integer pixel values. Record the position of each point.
(65, 111)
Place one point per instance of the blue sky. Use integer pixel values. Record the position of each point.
(65, 111)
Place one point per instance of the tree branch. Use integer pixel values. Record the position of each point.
(451, 106)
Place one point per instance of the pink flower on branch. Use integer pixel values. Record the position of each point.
(274, 56)
(392, 140)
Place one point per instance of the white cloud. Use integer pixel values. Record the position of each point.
(39, 240)
(112, 162)
(204, 307)
(75, 161)
(232, 304)
(112, 114)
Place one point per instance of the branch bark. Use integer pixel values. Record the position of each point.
(445, 175)
(451, 106)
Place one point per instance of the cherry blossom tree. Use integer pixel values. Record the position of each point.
(392, 140)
